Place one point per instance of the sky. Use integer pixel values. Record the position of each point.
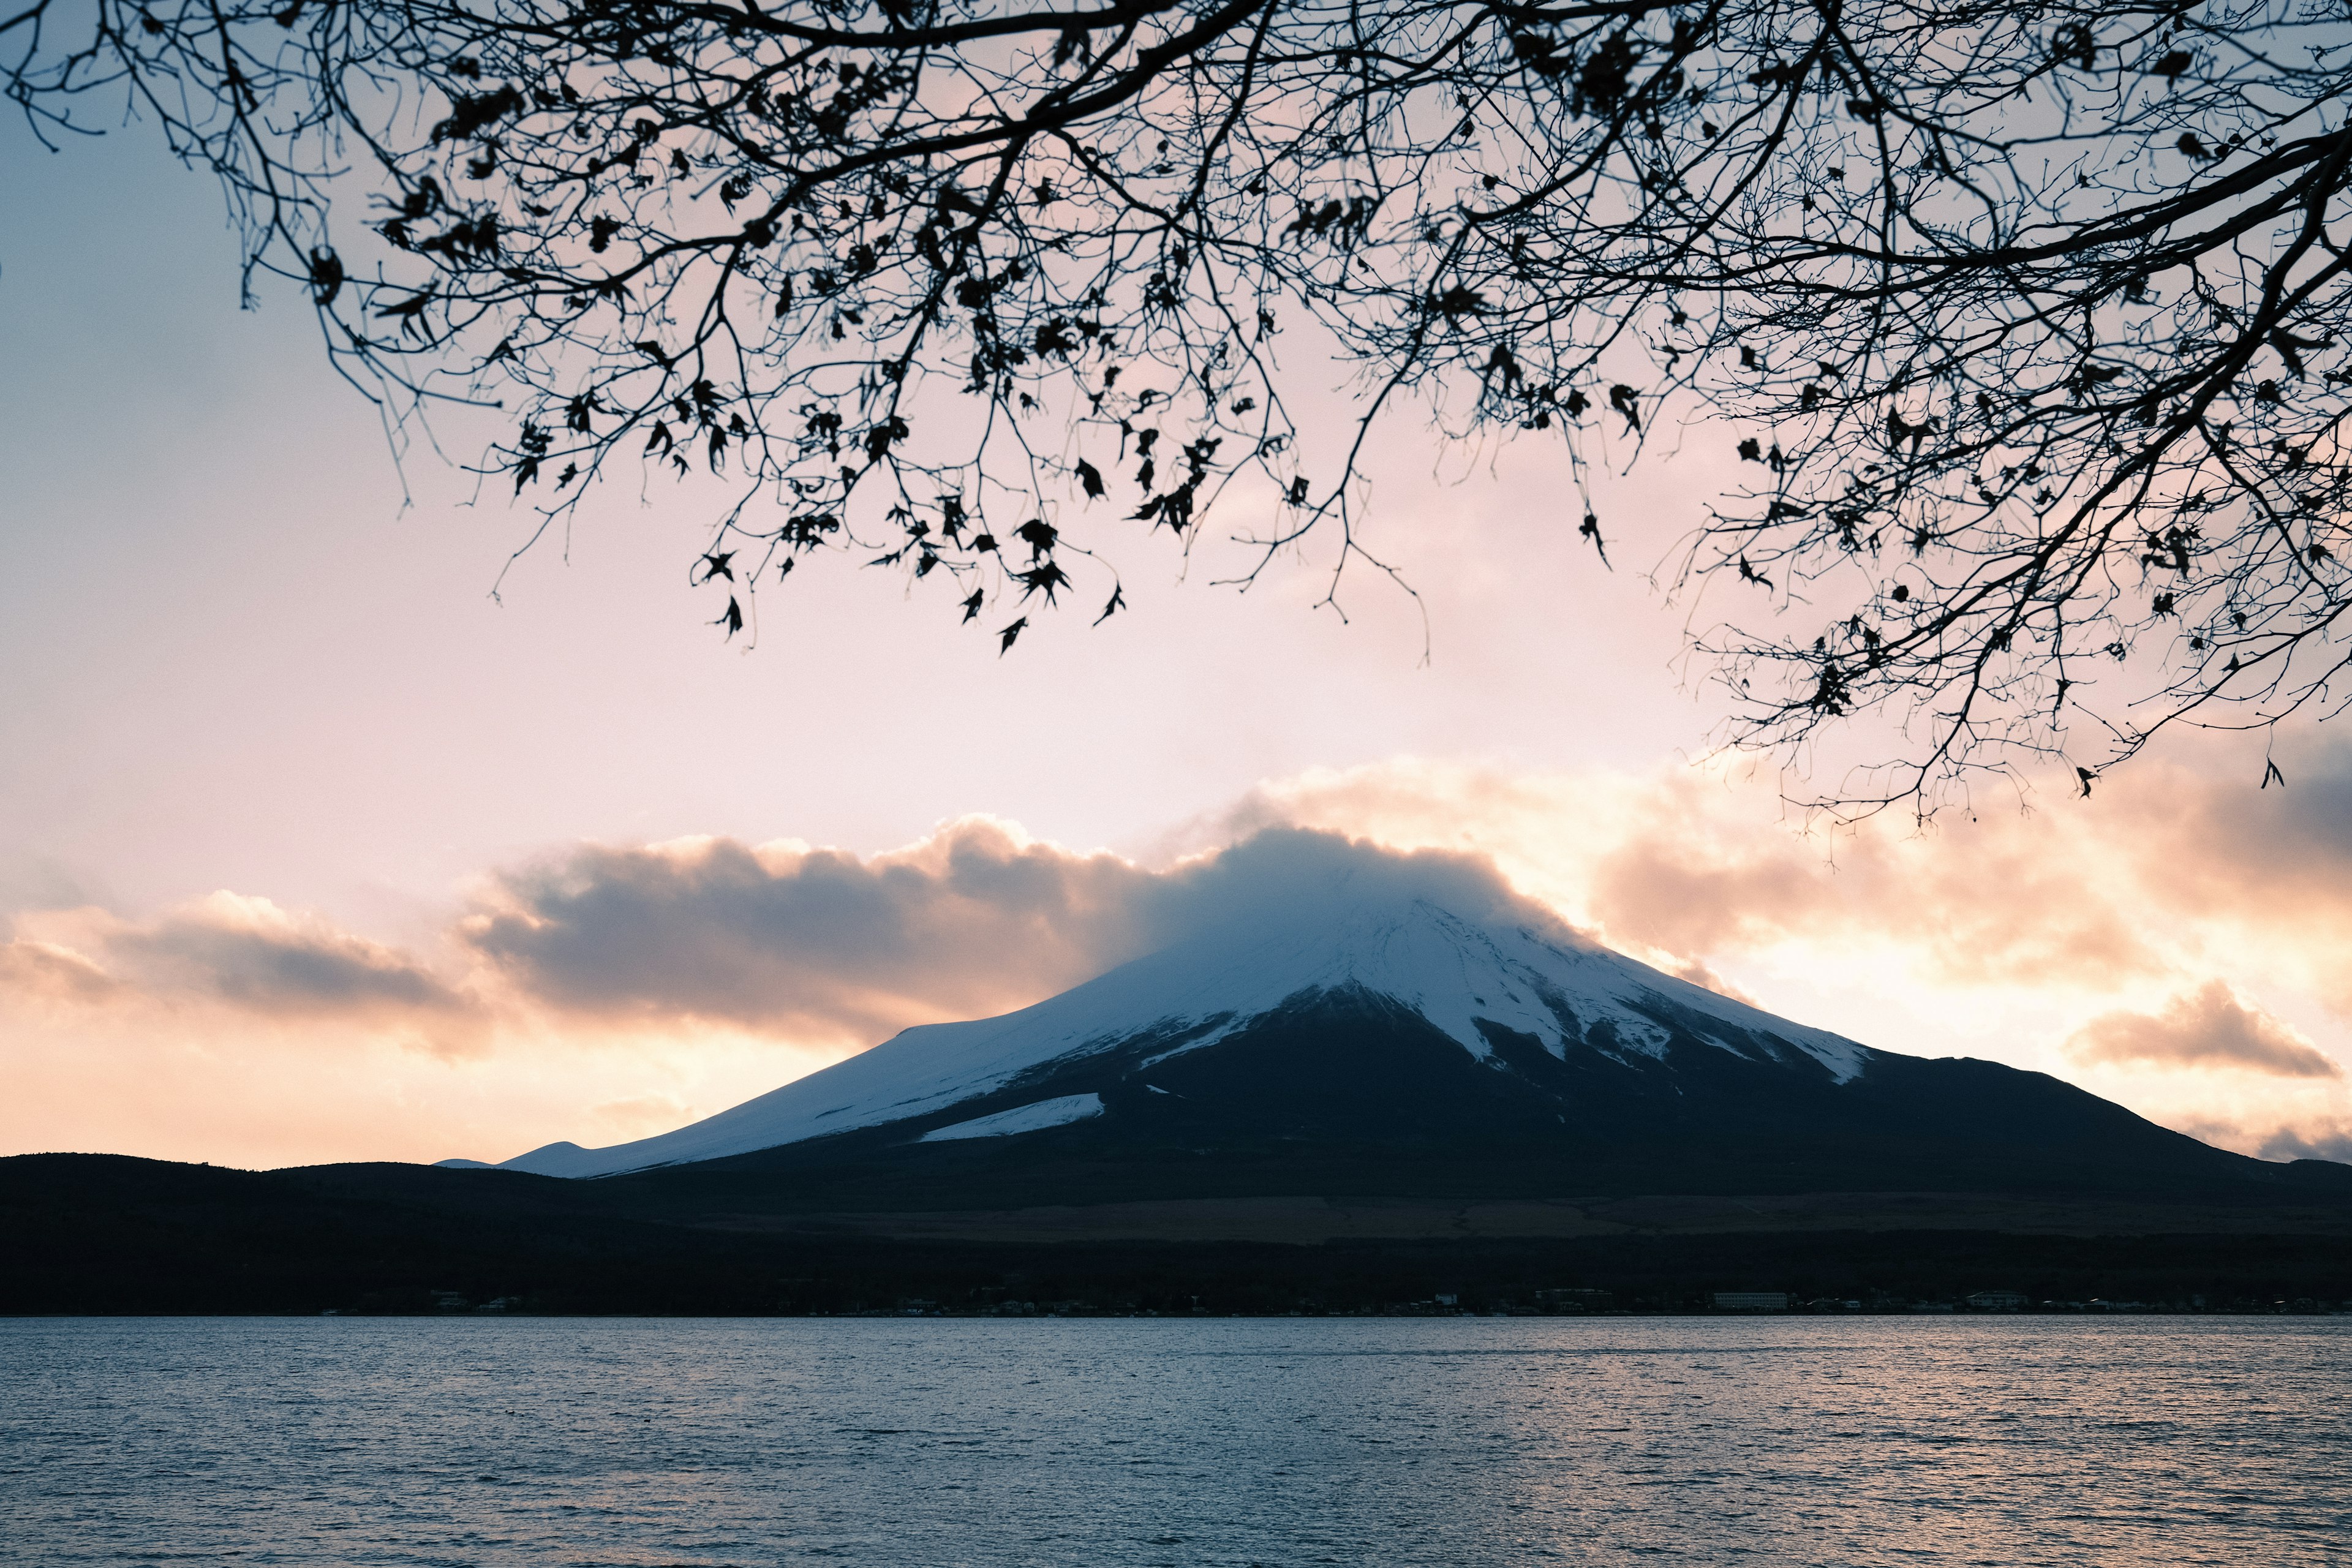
(311, 849)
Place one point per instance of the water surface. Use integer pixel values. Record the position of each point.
(1108, 1443)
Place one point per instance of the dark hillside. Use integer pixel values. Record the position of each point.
(110, 1235)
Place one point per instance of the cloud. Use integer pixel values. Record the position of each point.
(2273, 866)
(2332, 1142)
(47, 971)
(2166, 871)
(975, 919)
(1978, 904)
(249, 952)
(2207, 1029)
(245, 956)
(816, 949)
(1698, 973)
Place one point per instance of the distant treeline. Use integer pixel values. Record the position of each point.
(98, 1235)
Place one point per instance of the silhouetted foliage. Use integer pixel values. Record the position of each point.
(2027, 317)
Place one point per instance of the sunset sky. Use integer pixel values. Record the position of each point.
(310, 850)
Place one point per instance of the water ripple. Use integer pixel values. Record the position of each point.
(1851, 1442)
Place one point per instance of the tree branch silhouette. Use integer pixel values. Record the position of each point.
(2031, 319)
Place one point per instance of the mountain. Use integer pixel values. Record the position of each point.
(1484, 986)
(1367, 1036)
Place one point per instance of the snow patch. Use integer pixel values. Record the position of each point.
(1035, 1118)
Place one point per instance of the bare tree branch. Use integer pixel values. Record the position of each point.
(2031, 319)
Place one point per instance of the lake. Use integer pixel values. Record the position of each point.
(1105, 1443)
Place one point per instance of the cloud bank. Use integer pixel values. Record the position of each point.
(250, 954)
(976, 918)
(2169, 871)
(2156, 944)
(242, 955)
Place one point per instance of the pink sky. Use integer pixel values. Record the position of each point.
(273, 767)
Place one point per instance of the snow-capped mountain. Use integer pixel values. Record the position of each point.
(1378, 980)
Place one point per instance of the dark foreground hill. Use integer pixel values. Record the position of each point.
(1335, 1154)
(107, 1233)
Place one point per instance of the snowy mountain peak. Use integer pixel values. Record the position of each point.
(1510, 967)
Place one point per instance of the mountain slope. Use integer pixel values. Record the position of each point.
(1350, 1095)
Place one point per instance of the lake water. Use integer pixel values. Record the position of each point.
(1105, 1443)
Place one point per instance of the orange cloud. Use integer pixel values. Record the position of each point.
(1977, 903)
(2207, 1029)
(2148, 883)
(243, 955)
